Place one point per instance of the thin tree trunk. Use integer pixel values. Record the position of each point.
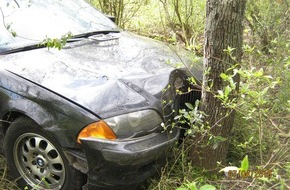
(223, 29)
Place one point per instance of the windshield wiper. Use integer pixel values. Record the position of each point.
(25, 48)
(88, 34)
(74, 38)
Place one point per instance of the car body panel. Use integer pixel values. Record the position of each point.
(131, 160)
(84, 79)
(27, 98)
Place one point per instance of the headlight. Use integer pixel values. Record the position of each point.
(133, 123)
(178, 83)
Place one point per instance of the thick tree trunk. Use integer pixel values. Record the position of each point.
(223, 29)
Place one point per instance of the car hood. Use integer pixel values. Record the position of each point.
(106, 73)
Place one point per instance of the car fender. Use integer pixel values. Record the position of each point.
(44, 119)
(57, 116)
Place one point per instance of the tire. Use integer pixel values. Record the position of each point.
(36, 160)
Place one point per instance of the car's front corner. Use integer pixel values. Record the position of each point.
(142, 136)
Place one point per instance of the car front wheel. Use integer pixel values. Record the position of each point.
(36, 159)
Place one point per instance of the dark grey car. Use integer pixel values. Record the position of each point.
(91, 114)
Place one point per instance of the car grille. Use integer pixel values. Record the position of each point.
(188, 97)
(171, 108)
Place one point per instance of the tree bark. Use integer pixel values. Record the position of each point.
(223, 29)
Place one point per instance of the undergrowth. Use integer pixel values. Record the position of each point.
(261, 129)
(5, 182)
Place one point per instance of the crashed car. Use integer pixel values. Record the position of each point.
(91, 113)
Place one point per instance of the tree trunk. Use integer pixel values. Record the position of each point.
(223, 29)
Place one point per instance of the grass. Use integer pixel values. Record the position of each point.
(5, 182)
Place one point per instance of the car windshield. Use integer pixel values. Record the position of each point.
(26, 22)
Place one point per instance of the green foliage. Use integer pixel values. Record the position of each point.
(5, 183)
(188, 186)
(268, 21)
(193, 117)
(261, 127)
(184, 17)
(245, 164)
(9, 28)
(192, 186)
(55, 42)
(177, 22)
(179, 173)
(263, 105)
(207, 187)
(122, 10)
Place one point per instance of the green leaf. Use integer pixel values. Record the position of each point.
(224, 76)
(221, 93)
(189, 105)
(13, 34)
(265, 179)
(245, 163)
(188, 186)
(192, 186)
(182, 188)
(227, 91)
(207, 187)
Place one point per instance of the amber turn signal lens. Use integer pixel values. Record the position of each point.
(98, 129)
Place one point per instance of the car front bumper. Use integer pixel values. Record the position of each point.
(123, 164)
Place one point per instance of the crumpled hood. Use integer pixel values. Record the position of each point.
(117, 73)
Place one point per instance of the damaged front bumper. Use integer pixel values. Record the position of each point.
(123, 164)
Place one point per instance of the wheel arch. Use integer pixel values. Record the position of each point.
(25, 108)
(42, 117)
(8, 118)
